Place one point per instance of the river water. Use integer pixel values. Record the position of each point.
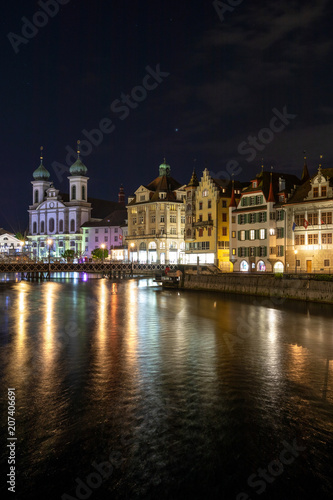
(177, 394)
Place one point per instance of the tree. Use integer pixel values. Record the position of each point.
(19, 236)
(68, 255)
(98, 253)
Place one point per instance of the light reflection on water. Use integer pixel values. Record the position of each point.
(194, 390)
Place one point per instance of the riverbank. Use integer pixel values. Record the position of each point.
(263, 285)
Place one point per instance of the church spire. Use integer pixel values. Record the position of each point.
(271, 194)
(305, 172)
(41, 174)
(233, 203)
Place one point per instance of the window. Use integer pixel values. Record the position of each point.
(252, 234)
(141, 219)
(42, 227)
(326, 217)
(280, 232)
(262, 216)
(162, 218)
(242, 235)
(280, 249)
(205, 193)
(262, 234)
(200, 205)
(142, 197)
(209, 204)
(262, 251)
(173, 218)
(72, 243)
(83, 191)
(224, 231)
(51, 225)
(297, 239)
(72, 225)
(315, 192)
(182, 219)
(73, 192)
(61, 243)
(302, 239)
(259, 199)
(233, 234)
(209, 216)
(299, 219)
(34, 227)
(252, 200)
(173, 230)
(36, 196)
(326, 238)
(96, 230)
(86, 239)
(234, 251)
(272, 216)
(200, 232)
(96, 239)
(105, 230)
(233, 219)
(252, 218)
(280, 215)
(200, 218)
(224, 217)
(116, 238)
(105, 238)
(153, 231)
(224, 204)
(326, 262)
(252, 251)
(209, 231)
(323, 191)
(61, 226)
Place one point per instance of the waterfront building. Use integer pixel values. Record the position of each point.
(309, 224)
(156, 220)
(55, 218)
(207, 220)
(258, 223)
(9, 244)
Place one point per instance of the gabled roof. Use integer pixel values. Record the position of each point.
(302, 191)
(263, 183)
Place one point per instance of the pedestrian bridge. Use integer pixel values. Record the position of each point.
(42, 268)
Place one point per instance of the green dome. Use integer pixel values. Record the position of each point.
(164, 168)
(78, 168)
(41, 174)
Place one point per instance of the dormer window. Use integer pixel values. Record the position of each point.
(323, 191)
(315, 192)
(162, 196)
(254, 184)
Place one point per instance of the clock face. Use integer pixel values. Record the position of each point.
(51, 205)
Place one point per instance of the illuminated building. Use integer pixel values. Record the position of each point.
(258, 223)
(9, 244)
(207, 220)
(309, 224)
(58, 216)
(156, 220)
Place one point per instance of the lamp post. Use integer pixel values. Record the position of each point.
(295, 251)
(49, 242)
(102, 247)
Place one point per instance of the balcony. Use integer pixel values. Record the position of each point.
(204, 223)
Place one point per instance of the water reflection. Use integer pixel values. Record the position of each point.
(194, 378)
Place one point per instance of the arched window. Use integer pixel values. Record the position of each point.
(73, 225)
(244, 266)
(51, 225)
(188, 232)
(61, 226)
(36, 196)
(73, 192)
(83, 192)
(42, 227)
(34, 227)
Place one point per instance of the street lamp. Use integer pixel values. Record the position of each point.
(295, 251)
(102, 247)
(132, 247)
(49, 242)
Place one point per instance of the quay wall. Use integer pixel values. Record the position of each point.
(263, 285)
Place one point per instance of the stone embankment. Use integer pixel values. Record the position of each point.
(300, 288)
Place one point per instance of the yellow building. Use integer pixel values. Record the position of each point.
(207, 221)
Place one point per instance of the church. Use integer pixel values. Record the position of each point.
(55, 218)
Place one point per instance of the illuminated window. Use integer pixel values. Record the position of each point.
(205, 192)
(234, 234)
(242, 235)
(262, 234)
(252, 234)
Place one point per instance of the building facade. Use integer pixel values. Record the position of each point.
(207, 220)
(309, 225)
(258, 223)
(156, 220)
(9, 244)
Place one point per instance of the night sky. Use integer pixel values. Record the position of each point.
(222, 72)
